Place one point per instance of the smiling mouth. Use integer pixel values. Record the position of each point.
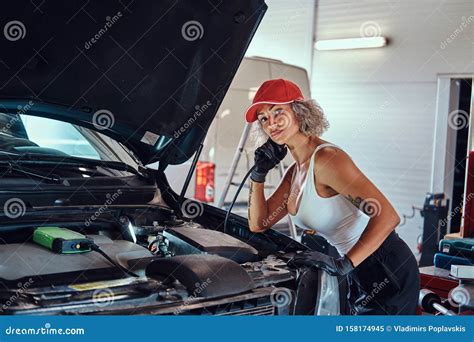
(275, 134)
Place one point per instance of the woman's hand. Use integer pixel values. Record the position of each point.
(267, 157)
(262, 213)
(335, 267)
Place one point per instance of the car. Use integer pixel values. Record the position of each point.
(92, 93)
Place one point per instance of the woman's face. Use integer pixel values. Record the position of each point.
(278, 121)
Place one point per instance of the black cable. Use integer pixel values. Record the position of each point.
(233, 202)
(235, 196)
(96, 248)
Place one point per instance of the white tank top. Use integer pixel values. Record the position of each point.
(334, 218)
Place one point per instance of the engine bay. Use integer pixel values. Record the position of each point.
(172, 259)
(24, 260)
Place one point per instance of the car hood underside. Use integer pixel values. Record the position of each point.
(150, 75)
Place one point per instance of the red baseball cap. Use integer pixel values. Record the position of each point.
(277, 91)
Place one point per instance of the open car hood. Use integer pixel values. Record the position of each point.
(151, 75)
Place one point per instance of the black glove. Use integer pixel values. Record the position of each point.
(333, 266)
(267, 157)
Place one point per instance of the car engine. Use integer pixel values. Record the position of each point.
(182, 267)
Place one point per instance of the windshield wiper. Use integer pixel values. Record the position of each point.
(34, 158)
(12, 168)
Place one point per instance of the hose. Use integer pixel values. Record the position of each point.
(96, 248)
(235, 197)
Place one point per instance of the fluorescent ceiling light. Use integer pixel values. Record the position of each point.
(350, 43)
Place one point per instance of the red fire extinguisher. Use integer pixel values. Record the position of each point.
(204, 187)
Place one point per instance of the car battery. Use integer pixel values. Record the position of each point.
(445, 261)
(458, 247)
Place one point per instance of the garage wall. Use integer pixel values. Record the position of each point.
(381, 103)
(286, 32)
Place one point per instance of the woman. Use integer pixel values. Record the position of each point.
(327, 192)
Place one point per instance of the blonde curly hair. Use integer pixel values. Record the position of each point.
(310, 116)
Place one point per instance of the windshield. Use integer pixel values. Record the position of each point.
(21, 134)
(58, 136)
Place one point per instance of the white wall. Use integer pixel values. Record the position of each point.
(286, 32)
(381, 103)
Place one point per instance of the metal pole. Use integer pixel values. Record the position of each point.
(190, 173)
(443, 310)
(235, 162)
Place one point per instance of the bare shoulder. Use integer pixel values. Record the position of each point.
(332, 162)
(334, 167)
(329, 157)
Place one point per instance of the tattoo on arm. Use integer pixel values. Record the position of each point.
(366, 206)
(356, 201)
